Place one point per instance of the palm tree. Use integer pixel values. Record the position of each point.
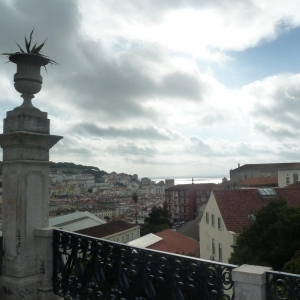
(135, 199)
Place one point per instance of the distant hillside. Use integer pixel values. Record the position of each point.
(71, 168)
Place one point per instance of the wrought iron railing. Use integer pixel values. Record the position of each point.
(1, 252)
(90, 268)
(282, 286)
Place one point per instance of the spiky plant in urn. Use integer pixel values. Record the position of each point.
(28, 79)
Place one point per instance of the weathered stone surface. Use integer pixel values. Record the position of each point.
(250, 282)
(26, 144)
(43, 244)
(22, 145)
(31, 121)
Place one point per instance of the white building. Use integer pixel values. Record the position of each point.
(76, 221)
(288, 175)
(228, 211)
(117, 231)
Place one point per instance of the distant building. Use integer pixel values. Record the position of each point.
(258, 183)
(168, 241)
(250, 171)
(169, 183)
(184, 200)
(288, 175)
(117, 231)
(75, 221)
(145, 181)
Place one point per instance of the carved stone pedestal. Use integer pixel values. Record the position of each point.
(26, 143)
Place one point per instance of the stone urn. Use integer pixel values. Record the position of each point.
(28, 80)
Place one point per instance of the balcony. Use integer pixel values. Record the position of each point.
(89, 268)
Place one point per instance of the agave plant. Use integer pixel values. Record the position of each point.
(32, 50)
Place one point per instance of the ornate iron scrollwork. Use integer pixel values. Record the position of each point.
(90, 269)
(283, 286)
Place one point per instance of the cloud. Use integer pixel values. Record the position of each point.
(137, 87)
(146, 133)
(205, 29)
(275, 106)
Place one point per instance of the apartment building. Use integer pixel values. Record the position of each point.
(184, 200)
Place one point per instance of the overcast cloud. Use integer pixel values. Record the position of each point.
(142, 85)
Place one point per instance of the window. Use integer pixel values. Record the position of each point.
(219, 224)
(167, 193)
(207, 218)
(186, 193)
(213, 246)
(197, 193)
(122, 238)
(181, 200)
(127, 237)
(117, 239)
(220, 252)
(213, 220)
(182, 208)
(132, 235)
(295, 177)
(287, 180)
(167, 207)
(181, 193)
(208, 192)
(198, 201)
(187, 209)
(187, 200)
(207, 242)
(245, 177)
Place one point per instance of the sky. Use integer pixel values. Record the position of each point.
(163, 88)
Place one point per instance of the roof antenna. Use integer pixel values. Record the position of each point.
(192, 180)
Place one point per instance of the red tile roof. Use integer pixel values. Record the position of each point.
(272, 181)
(104, 230)
(207, 185)
(295, 185)
(236, 205)
(175, 242)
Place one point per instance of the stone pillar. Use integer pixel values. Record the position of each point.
(250, 282)
(44, 252)
(26, 143)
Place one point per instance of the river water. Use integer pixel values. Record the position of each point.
(188, 180)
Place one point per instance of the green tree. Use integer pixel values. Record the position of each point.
(272, 239)
(157, 221)
(293, 266)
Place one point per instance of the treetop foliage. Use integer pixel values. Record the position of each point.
(69, 168)
(272, 239)
(157, 221)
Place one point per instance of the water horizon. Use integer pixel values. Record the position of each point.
(189, 180)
